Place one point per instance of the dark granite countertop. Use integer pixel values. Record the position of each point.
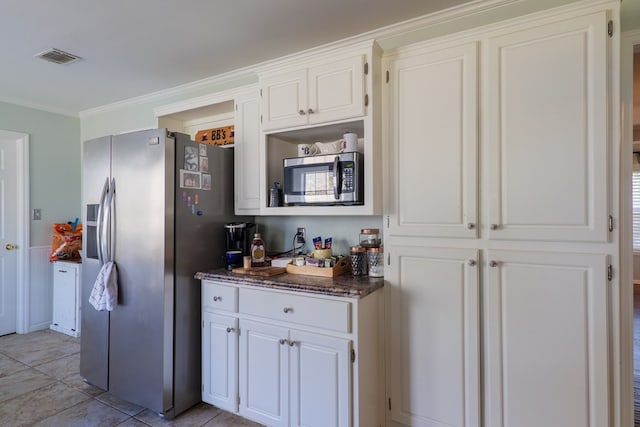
(340, 286)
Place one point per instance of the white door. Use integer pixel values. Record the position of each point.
(546, 340)
(264, 373)
(320, 377)
(10, 205)
(547, 132)
(434, 143)
(433, 366)
(219, 361)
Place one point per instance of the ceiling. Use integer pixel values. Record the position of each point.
(135, 47)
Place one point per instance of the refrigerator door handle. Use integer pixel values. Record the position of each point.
(100, 225)
(109, 222)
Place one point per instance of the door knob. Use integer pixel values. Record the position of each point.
(10, 246)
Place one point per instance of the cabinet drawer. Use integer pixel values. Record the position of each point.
(297, 309)
(219, 297)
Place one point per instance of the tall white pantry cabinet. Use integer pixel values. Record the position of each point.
(498, 224)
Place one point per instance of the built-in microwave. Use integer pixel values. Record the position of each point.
(330, 179)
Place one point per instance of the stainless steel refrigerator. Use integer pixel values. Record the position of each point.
(156, 203)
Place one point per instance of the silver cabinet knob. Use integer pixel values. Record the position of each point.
(292, 343)
(217, 299)
(471, 226)
(229, 330)
(493, 226)
(283, 341)
(493, 263)
(471, 263)
(310, 111)
(301, 112)
(287, 309)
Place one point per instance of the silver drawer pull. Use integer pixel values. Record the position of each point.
(217, 299)
(287, 310)
(283, 341)
(229, 330)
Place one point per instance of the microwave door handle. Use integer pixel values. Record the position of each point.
(336, 178)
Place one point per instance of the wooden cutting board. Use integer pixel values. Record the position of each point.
(260, 271)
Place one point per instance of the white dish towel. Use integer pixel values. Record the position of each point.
(105, 291)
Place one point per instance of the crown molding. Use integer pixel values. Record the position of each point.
(39, 107)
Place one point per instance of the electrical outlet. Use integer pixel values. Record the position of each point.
(300, 235)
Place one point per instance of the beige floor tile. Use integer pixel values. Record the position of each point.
(199, 415)
(34, 352)
(61, 368)
(132, 422)
(37, 405)
(88, 413)
(119, 404)
(22, 382)
(10, 366)
(76, 381)
(226, 419)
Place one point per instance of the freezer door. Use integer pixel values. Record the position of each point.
(141, 327)
(94, 340)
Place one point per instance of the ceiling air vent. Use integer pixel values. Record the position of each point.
(57, 56)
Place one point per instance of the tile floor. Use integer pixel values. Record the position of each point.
(40, 386)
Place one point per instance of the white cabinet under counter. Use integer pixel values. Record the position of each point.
(294, 350)
(66, 298)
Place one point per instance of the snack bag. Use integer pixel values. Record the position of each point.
(67, 242)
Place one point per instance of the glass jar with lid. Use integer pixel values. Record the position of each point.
(375, 262)
(370, 238)
(358, 261)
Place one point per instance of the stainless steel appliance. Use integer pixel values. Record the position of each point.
(332, 179)
(158, 209)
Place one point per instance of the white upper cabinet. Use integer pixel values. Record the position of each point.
(247, 154)
(546, 97)
(315, 94)
(433, 142)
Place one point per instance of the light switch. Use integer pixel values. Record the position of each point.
(36, 215)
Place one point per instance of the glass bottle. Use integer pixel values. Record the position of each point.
(257, 251)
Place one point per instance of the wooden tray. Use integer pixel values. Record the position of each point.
(343, 266)
(260, 271)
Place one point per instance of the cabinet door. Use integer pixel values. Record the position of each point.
(547, 131)
(336, 90)
(219, 361)
(546, 342)
(264, 373)
(247, 155)
(284, 100)
(433, 331)
(320, 378)
(65, 281)
(433, 143)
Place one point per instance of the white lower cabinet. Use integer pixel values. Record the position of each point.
(66, 298)
(546, 339)
(545, 347)
(220, 361)
(302, 359)
(433, 367)
(294, 378)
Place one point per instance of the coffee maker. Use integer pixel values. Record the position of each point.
(239, 236)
